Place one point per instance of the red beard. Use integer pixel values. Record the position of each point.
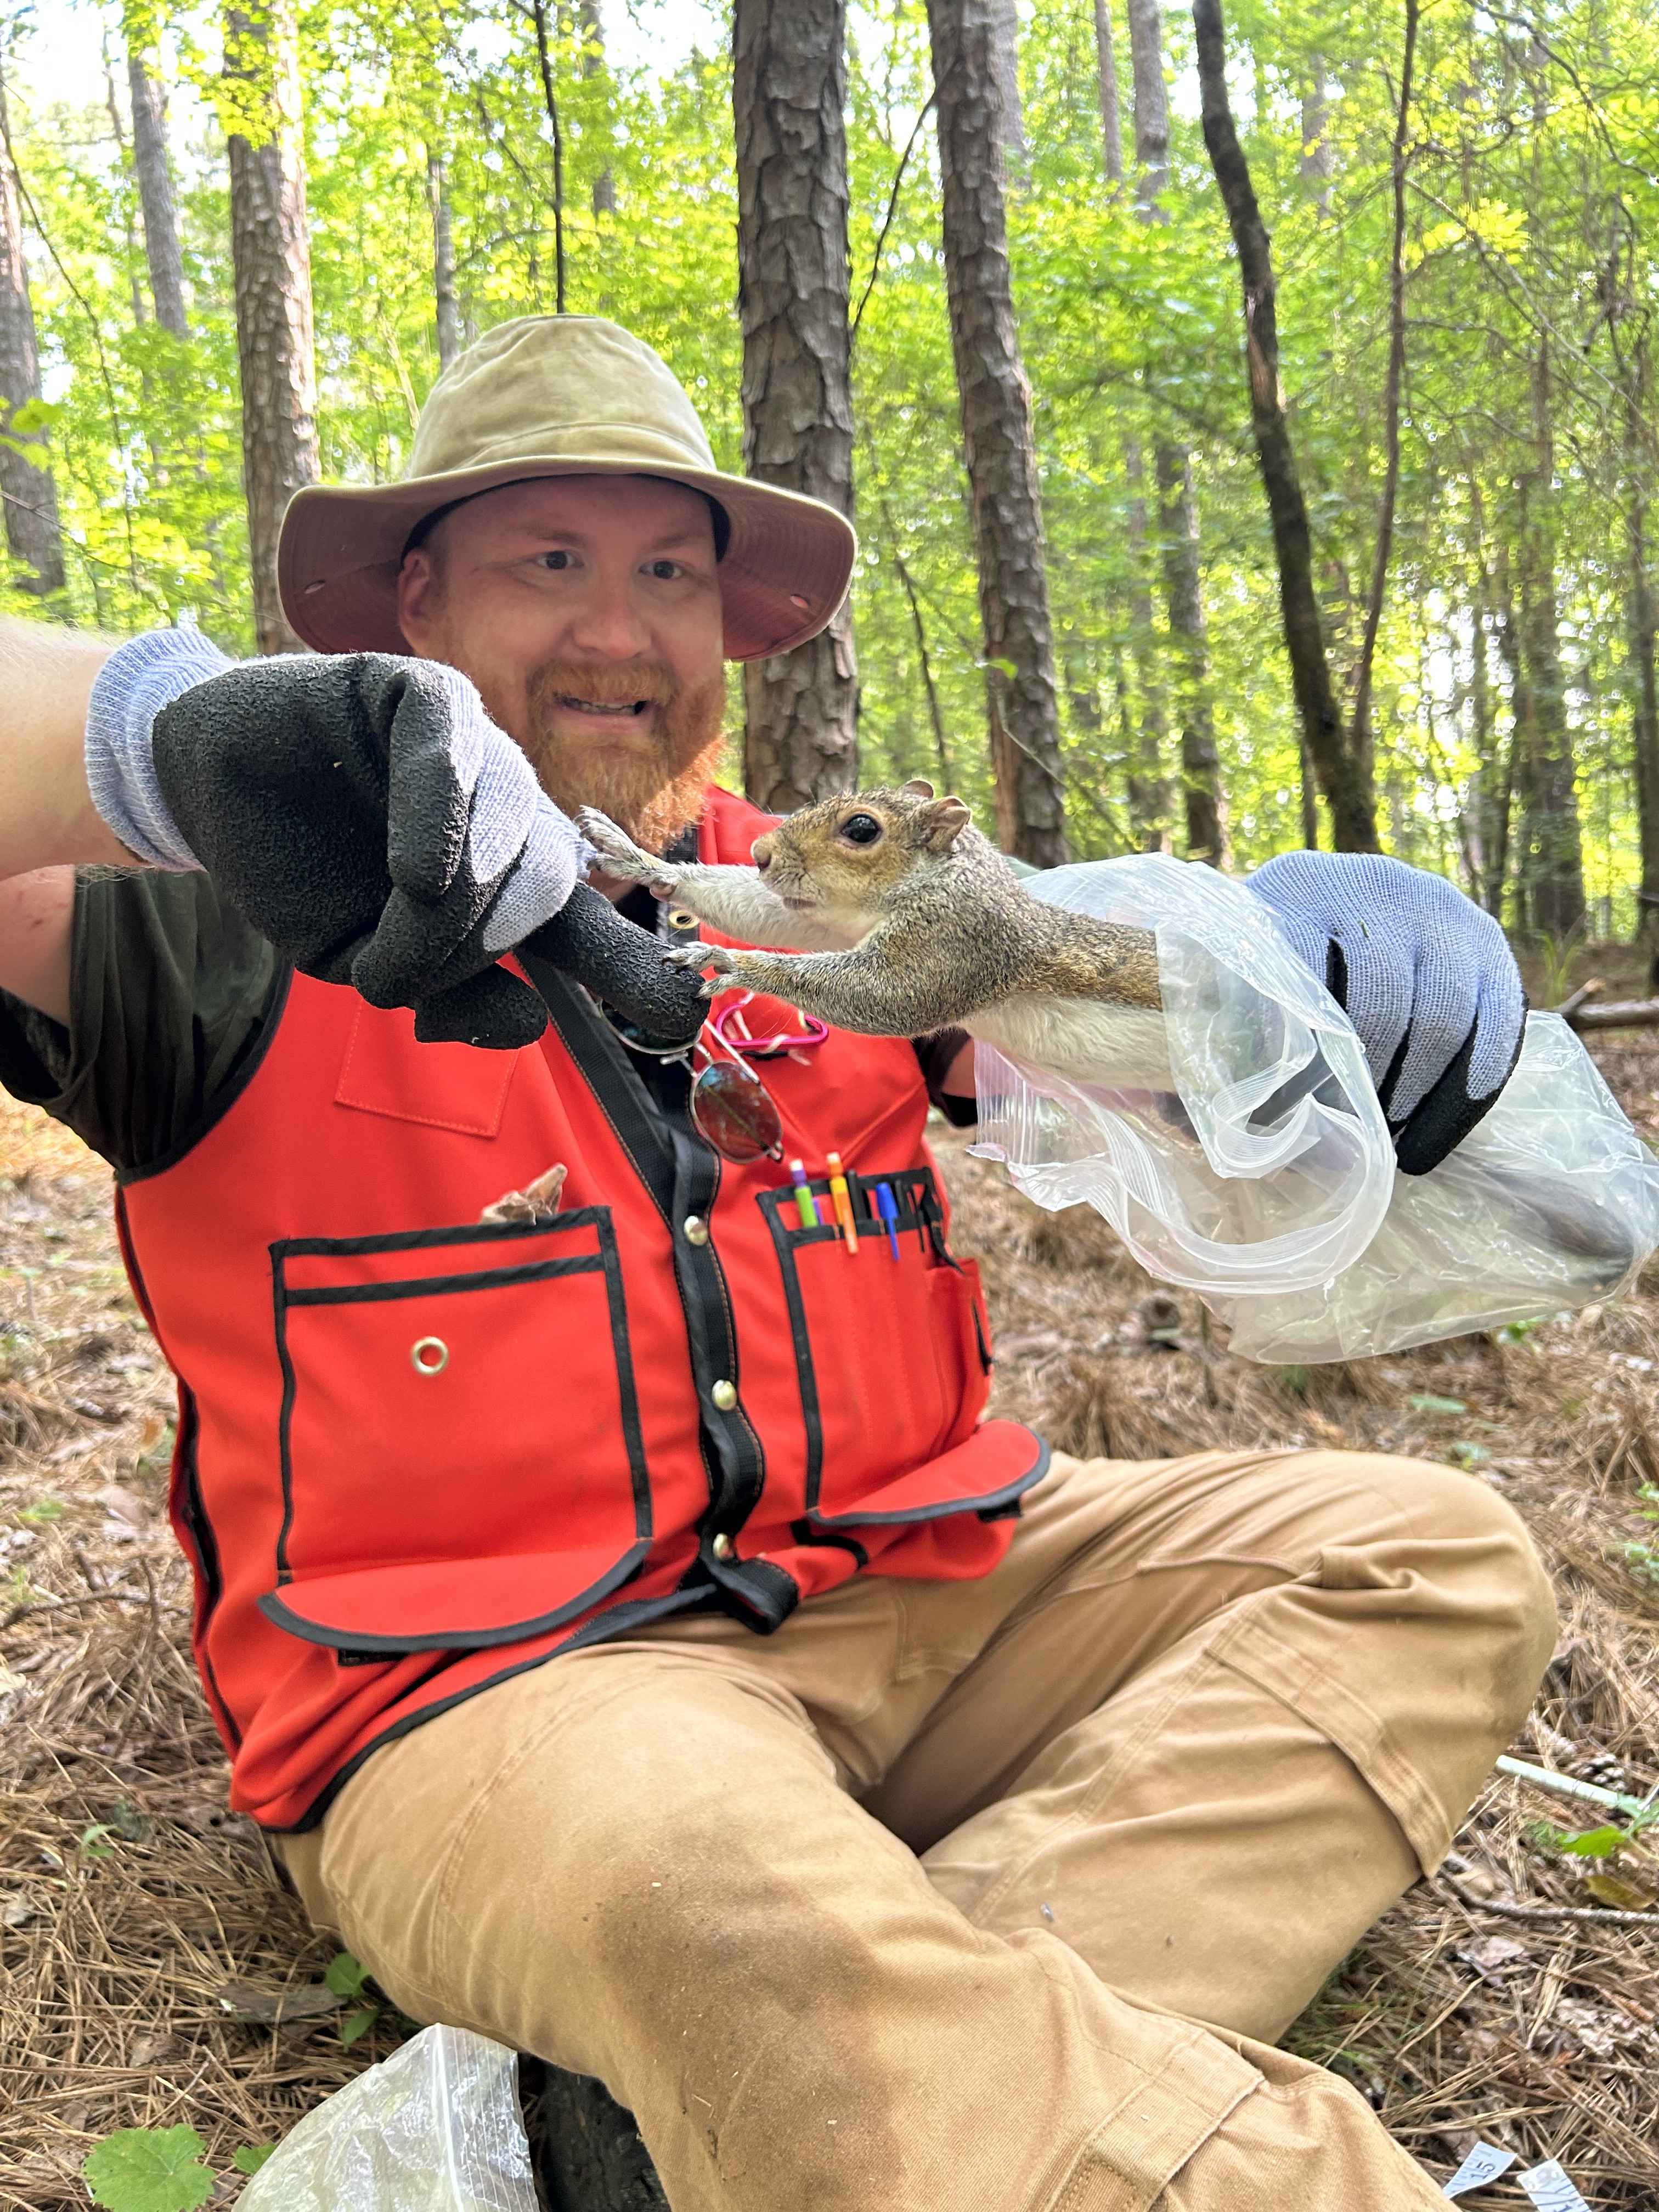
(654, 792)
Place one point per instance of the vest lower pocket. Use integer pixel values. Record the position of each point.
(885, 1342)
(461, 1454)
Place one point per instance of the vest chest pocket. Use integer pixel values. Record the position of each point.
(461, 1454)
(890, 1350)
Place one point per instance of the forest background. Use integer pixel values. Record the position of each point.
(1077, 598)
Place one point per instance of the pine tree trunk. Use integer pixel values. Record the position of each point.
(1643, 618)
(1205, 802)
(1111, 118)
(1318, 162)
(592, 23)
(996, 428)
(788, 92)
(1344, 779)
(446, 307)
(1553, 842)
(1147, 784)
(1016, 153)
(271, 250)
(28, 486)
(1200, 763)
(149, 156)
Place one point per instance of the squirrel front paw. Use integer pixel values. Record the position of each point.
(719, 958)
(619, 856)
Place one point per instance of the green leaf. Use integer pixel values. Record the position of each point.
(149, 2170)
(44, 1510)
(1425, 1401)
(1595, 1843)
(1008, 668)
(358, 2023)
(1466, 1454)
(345, 1975)
(90, 1842)
(251, 2157)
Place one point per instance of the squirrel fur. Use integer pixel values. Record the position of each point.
(893, 915)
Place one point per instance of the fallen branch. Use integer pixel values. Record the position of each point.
(1622, 1014)
(1569, 1005)
(1605, 1916)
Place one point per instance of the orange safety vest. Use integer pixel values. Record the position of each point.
(417, 1454)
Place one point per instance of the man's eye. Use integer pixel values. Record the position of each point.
(666, 571)
(555, 560)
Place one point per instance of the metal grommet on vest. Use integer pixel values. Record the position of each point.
(429, 1355)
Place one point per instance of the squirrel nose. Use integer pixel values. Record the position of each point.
(760, 854)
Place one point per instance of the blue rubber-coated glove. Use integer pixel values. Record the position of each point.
(1425, 975)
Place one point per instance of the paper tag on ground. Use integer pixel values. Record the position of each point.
(1484, 2164)
(1550, 2189)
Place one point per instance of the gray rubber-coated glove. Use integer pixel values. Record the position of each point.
(1425, 975)
(365, 814)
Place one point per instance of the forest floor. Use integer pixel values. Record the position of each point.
(154, 1973)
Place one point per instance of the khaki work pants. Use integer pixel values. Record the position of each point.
(978, 1894)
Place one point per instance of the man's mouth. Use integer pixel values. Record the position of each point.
(625, 708)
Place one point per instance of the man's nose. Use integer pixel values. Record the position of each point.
(609, 622)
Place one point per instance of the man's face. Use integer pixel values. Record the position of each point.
(586, 610)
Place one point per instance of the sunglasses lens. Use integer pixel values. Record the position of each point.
(734, 1113)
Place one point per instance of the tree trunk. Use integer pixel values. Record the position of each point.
(1318, 163)
(1016, 153)
(1344, 778)
(996, 428)
(28, 486)
(1148, 786)
(1111, 120)
(446, 305)
(149, 156)
(1554, 846)
(788, 92)
(1201, 763)
(271, 250)
(1643, 643)
(592, 23)
(1204, 800)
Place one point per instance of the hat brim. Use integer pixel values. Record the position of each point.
(783, 577)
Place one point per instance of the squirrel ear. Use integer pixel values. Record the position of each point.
(944, 823)
(918, 788)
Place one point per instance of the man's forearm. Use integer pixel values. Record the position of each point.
(47, 818)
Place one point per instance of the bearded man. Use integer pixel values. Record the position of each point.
(635, 1636)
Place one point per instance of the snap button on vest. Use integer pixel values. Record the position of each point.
(695, 1228)
(721, 1547)
(724, 1394)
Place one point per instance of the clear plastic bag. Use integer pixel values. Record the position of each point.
(1254, 1167)
(434, 2128)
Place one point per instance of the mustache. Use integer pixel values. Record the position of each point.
(608, 684)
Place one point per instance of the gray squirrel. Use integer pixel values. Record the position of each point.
(901, 918)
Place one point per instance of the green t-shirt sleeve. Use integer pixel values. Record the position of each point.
(170, 993)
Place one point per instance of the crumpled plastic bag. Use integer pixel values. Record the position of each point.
(434, 2128)
(1254, 1167)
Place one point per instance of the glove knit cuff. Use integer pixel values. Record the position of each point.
(137, 680)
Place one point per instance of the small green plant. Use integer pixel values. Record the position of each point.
(159, 2169)
(1555, 951)
(42, 1511)
(1425, 1401)
(349, 1977)
(149, 2170)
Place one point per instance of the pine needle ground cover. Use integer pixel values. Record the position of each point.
(154, 1975)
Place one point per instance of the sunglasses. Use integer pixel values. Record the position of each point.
(731, 1109)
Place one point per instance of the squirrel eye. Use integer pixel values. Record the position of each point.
(860, 828)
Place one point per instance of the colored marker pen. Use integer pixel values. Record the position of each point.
(841, 1198)
(887, 1207)
(804, 1202)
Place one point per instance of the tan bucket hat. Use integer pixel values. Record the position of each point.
(557, 396)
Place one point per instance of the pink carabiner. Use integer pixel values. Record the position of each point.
(765, 1048)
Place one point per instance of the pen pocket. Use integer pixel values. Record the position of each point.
(880, 1338)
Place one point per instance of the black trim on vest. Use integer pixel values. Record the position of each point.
(363, 1646)
(269, 1022)
(190, 1499)
(682, 1176)
(759, 1594)
(806, 1532)
(614, 1621)
(606, 1259)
